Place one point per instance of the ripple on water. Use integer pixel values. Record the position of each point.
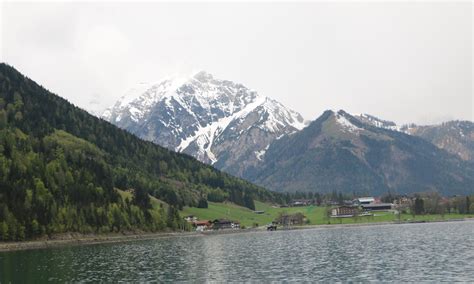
(415, 252)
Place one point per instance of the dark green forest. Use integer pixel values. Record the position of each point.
(60, 169)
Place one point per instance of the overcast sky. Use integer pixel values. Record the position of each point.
(406, 62)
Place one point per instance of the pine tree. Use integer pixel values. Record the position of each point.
(419, 206)
(202, 203)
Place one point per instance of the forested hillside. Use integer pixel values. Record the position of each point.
(60, 168)
(339, 152)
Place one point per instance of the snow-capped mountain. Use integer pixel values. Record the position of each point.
(455, 137)
(217, 121)
(340, 152)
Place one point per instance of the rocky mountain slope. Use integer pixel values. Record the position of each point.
(456, 137)
(341, 152)
(217, 121)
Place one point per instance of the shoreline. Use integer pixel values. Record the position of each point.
(76, 239)
(388, 223)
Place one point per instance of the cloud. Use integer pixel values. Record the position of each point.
(103, 44)
(406, 62)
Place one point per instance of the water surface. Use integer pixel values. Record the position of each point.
(412, 252)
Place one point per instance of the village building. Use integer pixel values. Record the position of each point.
(377, 206)
(344, 211)
(202, 225)
(406, 201)
(190, 218)
(301, 202)
(348, 202)
(364, 200)
(235, 225)
(222, 224)
(290, 219)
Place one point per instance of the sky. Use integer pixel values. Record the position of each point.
(400, 61)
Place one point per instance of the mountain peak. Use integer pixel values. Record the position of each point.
(203, 76)
(344, 120)
(335, 112)
(219, 122)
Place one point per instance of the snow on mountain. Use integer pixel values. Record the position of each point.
(455, 137)
(345, 123)
(206, 135)
(377, 122)
(217, 121)
(337, 152)
(138, 100)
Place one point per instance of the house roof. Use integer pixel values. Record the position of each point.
(365, 199)
(202, 222)
(347, 206)
(377, 205)
(222, 221)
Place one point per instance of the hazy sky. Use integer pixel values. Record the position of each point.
(406, 62)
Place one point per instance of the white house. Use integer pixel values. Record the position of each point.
(365, 200)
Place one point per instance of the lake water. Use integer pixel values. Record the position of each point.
(412, 252)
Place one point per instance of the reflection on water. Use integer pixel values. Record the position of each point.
(416, 252)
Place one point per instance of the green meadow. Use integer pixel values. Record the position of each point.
(315, 215)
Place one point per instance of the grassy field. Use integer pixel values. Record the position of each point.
(315, 215)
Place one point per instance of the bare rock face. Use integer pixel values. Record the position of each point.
(217, 121)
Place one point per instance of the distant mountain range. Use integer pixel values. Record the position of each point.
(341, 152)
(456, 137)
(236, 130)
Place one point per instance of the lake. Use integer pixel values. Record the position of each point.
(410, 252)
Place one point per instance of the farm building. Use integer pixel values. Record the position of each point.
(221, 224)
(377, 206)
(203, 225)
(190, 218)
(344, 211)
(364, 200)
(290, 219)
